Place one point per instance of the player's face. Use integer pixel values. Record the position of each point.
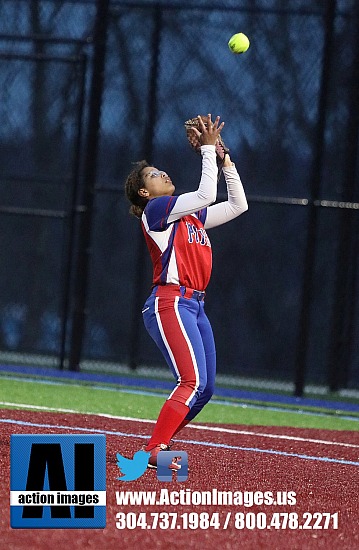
(156, 183)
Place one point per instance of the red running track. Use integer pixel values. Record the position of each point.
(320, 466)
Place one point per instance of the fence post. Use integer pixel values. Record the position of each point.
(71, 233)
(308, 277)
(86, 220)
(343, 313)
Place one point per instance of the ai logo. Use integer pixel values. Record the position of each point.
(58, 481)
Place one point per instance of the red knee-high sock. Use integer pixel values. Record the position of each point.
(171, 416)
(182, 425)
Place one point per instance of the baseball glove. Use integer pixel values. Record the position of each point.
(195, 143)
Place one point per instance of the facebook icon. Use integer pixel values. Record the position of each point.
(164, 461)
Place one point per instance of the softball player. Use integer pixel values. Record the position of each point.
(175, 231)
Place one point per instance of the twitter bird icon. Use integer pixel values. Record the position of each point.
(132, 468)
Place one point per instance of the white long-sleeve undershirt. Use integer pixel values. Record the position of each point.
(206, 194)
(223, 212)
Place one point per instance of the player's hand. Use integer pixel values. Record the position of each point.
(209, 130)
(227, 161)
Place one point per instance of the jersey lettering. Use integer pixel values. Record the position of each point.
(197, 235)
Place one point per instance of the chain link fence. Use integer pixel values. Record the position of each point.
(283, 299)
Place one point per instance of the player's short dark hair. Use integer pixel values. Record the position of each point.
(133, 184)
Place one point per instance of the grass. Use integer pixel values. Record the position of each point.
(121, 401)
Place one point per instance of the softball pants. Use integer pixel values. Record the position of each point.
(175, 318)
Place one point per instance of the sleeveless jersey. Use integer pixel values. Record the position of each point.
(180, 251)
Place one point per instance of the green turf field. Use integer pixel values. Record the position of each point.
(139, 403)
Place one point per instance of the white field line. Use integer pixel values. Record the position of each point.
(192, 426)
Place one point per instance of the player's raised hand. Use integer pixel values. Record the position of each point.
(209, 131)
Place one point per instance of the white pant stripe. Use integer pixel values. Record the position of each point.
(170, 353)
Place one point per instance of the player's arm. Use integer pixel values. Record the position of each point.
(236, 204)
(206, 194)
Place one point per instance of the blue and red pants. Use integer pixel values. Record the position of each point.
(174, 317)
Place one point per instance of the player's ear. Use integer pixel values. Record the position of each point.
(143, 192)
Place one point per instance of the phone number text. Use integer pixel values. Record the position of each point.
(224, 520)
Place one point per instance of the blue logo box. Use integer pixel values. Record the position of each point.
(165, 458)
(58, 481)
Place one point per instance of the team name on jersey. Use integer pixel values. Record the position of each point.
(197, 235)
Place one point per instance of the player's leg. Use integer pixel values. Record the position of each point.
(172, 323)
(206, 332)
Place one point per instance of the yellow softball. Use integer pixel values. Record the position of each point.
(238, 43)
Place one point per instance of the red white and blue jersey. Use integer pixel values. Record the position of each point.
(180, 251)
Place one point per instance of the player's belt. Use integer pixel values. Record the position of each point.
(168, 290)
(192, 293)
